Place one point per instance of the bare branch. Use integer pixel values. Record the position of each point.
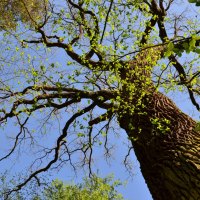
(57, 149)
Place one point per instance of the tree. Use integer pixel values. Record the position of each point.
(13, 11)
(123, 57)
(91, 189)
(96, 188)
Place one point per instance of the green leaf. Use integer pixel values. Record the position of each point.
(197, 127)
(81, 135)
(195, 1)
(197, 51)
(168, 53)
(170, 48)
(192, 44)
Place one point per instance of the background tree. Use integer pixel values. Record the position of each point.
(14, 11)
(93, 189)
(121, 57)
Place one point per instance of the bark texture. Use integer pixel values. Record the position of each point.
(167, 147)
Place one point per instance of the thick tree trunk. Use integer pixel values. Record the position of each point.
(167, 147)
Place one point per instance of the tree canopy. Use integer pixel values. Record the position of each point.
(74, 72)
(91, 189)
(14, 11)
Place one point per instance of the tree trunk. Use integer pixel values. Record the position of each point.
(167, 147)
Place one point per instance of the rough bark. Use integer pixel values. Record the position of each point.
(169, 153)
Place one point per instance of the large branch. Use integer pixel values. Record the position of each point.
(49, 93)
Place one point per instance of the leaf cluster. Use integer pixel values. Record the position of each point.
(94, 188)
(13, 12)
